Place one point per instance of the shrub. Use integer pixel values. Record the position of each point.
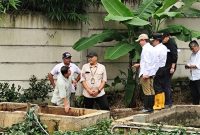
(9, 93)
(37, 90)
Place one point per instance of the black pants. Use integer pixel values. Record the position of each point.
(101, 101)
(167, 90)
(159, 83)
(195, 91)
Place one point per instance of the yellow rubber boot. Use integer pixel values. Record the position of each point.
(163, 100)
(157, 102)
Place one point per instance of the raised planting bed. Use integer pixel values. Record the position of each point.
(53, 116)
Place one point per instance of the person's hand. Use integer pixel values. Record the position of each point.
(137, 65)
(67, 108)
(187, 66)
(172, 70)
(90, 92)
(95, 92)
(145, 77)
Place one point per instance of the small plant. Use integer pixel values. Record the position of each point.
(9, 93)
(6, 5)
(117, 80)
(30, 126)
(37, 90)
(79, 101)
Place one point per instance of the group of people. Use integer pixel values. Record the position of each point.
(156, 67)
(93, 78)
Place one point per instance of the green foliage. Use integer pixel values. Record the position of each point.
(30, 126)
(73, 11)
(6, 5)
(120, 49)
(101, 128)
(121, 79)
(37, 90)
(85, 43)
(9, 93)
(181, 32)
(130, 88)
(79, 101)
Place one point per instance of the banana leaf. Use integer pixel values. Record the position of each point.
(167, 15)
(116, 18)
(166, 4)
(195, 34)
(136, 21)
(120, 49)
(188, 10)
(116, 8)
(181, 32)
(86, 42)
(147, 8)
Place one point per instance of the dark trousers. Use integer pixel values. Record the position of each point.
(167, 90)
(159, 83)
(195, 91)
(101, 101)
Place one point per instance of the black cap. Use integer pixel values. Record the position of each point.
(157, 36)
(91, 54)
(66, 55)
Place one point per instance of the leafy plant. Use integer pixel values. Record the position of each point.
(101, 128)
(30, 126)
(6, 5)
(9, 93)
(37, 90)
(147, 18)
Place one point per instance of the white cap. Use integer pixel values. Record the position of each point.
(142, 36)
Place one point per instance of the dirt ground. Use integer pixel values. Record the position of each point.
(180, 95)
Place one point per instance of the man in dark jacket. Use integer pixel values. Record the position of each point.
(172, 57)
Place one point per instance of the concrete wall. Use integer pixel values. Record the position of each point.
(31, 45)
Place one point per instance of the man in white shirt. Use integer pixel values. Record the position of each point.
(147, 71)
(61, 94)
(66, 57)
(194, 66)
(160, 52)
(93, 79)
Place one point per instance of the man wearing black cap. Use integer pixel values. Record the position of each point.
(172, 56)
(93, 79)
(159, 80)
(66, 57)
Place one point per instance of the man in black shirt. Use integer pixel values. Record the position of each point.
(172, 56)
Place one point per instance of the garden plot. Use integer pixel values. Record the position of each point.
(53, 116)
(184, 116)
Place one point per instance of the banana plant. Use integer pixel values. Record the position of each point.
(148, 17)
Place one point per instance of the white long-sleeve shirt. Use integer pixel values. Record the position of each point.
(195, 60)
(147, 61)
(161, 55)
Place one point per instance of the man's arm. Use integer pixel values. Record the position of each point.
(66, 105)
(50, 76)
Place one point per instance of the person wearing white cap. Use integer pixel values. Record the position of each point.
(147, 71)
(66, 57)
